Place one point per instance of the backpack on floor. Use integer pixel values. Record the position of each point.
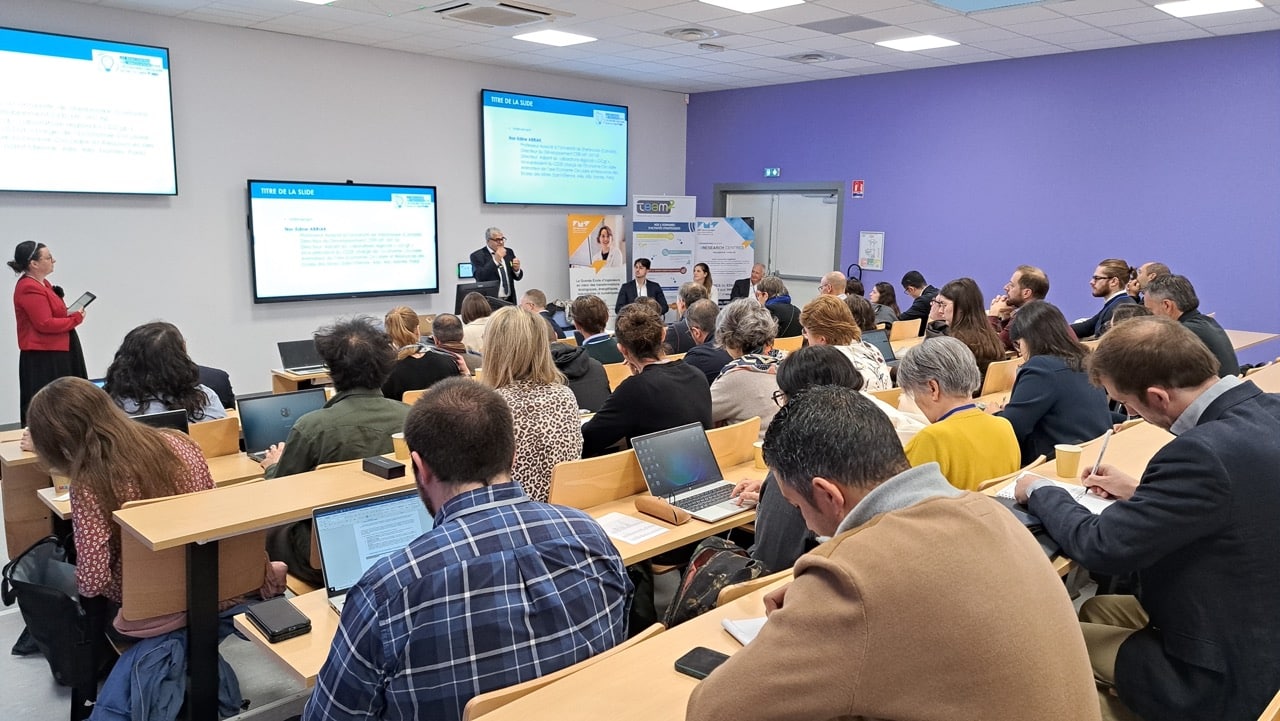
(716, 563)
(43, 583)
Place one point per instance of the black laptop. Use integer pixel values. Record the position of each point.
(880, 339)
(267, 418)
(300, 356)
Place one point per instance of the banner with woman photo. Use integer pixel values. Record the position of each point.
(597, 256)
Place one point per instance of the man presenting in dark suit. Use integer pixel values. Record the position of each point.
(1200, 640)
(497, 262)
(746, 287)
(641, 286)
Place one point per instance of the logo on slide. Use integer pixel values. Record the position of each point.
(655, 207)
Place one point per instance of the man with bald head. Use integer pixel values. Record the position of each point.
(746, 287)
(1147, 272)
(833, 284)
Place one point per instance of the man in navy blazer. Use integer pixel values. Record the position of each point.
(628, 293)
(497, 262)
(1200, 640)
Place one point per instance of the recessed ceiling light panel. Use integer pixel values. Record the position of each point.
(753, 6)
(555, 37)
(1192, 8)
(918, 42)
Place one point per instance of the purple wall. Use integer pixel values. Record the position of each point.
(1164, 152)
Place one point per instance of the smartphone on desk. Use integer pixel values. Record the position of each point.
(700, 662)
(278, 620)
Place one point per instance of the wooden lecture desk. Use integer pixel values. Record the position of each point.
(1241, 339)
(303, 656)
(226, 470)
(26, 520)
(198, 521)
(1268, 379)
(283, 381)
(640, 682)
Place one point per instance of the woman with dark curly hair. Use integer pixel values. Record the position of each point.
(152, 373)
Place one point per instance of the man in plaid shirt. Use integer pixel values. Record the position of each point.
(502, 590)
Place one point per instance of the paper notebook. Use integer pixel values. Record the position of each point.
(743, 629)
(1095, 504)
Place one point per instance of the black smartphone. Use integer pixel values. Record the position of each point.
(700, 662)
(81, 303)
(277, 619)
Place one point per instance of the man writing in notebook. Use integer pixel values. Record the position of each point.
(1200, 640)
(926, 602)
(501, 591)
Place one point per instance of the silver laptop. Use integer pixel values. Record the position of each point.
(355, 535)
(678, 466)
(267, 418)
(300, 356)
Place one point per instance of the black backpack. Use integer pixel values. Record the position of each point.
(68, 633)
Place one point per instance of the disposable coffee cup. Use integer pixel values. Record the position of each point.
(401, 446)
(1068, 459)
(758, 446)
(61, 485)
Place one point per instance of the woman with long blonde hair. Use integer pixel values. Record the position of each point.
(417, 365)
(519, 366)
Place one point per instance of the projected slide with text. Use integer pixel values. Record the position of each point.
(312, 240)
(80, 115)
(550, 151)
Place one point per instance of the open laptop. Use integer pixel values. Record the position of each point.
(880, 339)
(267, 418)
(300, 356)
(177, 420)
(353, 536)
(678, 466)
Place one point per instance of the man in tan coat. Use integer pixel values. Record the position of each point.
(927, 602)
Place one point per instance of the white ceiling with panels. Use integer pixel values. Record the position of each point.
(816, 40)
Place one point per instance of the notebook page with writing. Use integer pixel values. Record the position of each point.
(1095, 504)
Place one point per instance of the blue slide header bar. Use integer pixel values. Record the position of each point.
(326, 191)
(65, 46)
(537, 103)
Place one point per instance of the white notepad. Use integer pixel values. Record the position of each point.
(629, 529)
(1095, 504)
(743, 629)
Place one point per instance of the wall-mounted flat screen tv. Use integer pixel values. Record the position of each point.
(79, 115)
(550, 151)
(316, 241)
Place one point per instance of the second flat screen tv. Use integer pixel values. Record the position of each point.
(551, 151)
(315, 241)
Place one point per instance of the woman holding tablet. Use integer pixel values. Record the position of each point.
(47, 342)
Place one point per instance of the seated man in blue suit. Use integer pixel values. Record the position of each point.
(1200, 640)
(640, 287)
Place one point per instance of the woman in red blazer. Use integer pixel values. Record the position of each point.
(47, 341)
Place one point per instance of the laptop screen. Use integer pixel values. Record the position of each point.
(177, 420)
(299, 353)
(880, 339)
(676, 460)
(267, 419)
(353, 536)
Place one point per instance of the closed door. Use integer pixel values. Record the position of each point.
(797, 235)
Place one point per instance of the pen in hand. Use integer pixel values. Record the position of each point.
(1106, 438)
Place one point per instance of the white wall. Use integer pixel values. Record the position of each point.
(253, 104)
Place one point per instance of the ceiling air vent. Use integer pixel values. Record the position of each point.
(492, 14)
